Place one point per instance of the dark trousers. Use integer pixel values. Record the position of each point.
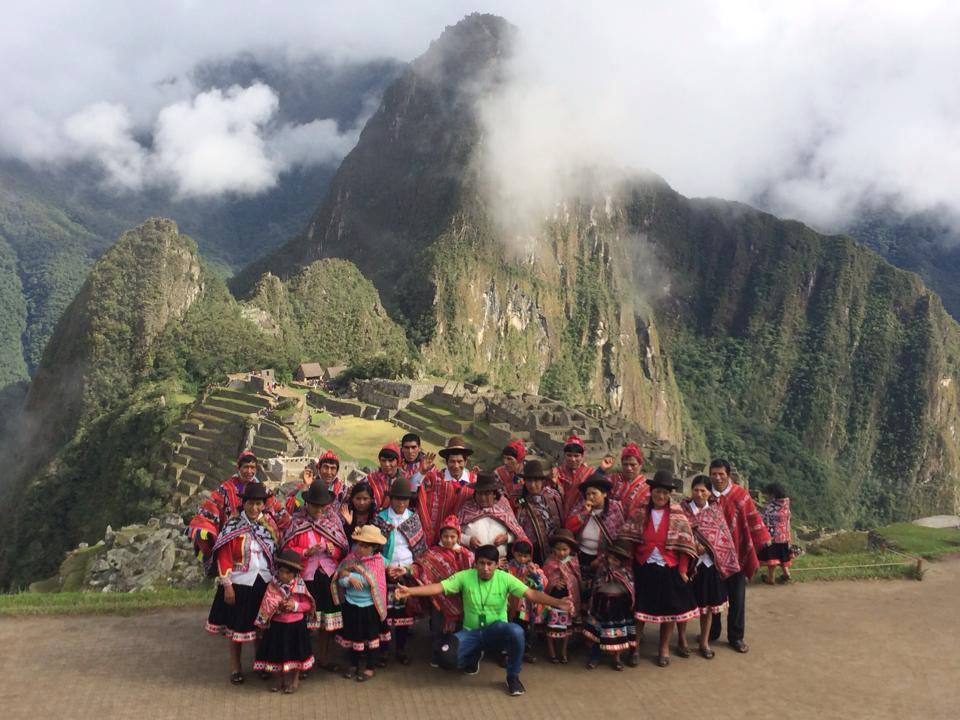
(736, 616)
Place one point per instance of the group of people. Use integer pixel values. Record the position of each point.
(490, 560)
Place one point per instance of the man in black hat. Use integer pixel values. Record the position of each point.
(484, 591)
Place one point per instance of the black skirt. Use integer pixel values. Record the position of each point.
(285, 646)
(587, 575)
(610, 622)
(329, 617)
(709, 590)
(361, 628)
(775, 554)
(236, 622)
(662, 595)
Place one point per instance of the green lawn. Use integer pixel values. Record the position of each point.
(929, 543)
(81, 603)
(357, 440)
(850, 566)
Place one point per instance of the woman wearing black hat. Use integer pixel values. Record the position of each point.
(243, 557)
(539, 509)
(487, 518)
(317, 535)
(595, 521)
(664, 548)
(285, 648)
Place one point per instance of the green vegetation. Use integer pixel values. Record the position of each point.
(929, 543)
(852, 566)
(85, 603)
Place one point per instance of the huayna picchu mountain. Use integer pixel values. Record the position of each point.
(806, 358)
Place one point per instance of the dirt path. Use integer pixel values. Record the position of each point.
(872, 649)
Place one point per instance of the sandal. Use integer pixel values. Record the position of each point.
(237, 678)
(592, 664)
(349, 673)
(634, 659)
(275, 688)
(683, 651)
(366, 675)
(663, 660)
(290, 689)
(707, 653)
(564, 660)
(618, 666)
(555, 660)
(767, 580)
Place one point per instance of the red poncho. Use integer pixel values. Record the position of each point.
(746, 526)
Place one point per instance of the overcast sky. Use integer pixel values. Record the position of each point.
(816, 106)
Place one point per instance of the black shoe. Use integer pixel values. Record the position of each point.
(434, 661)
(473, 668)
(740, 646)
(514, 686)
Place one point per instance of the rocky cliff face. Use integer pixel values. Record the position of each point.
(805, 358)
(105, 340)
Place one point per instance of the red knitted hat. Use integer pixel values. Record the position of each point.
(516, 449)
(574, 442)
(451, 522)
(632, 450)
(329, 457)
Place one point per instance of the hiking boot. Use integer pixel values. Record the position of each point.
(472, 668)
(514, 686)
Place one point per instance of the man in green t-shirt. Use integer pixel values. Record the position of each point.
(484, 591)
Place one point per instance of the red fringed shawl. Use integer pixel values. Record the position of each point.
(436, 499)
(611, 520)
(532, 576)
(631, 493)
(567, 573)
(499, 511)
(380, 484)
(372, 570)
(711, 529)
(539, 515)
(746, 526)
(276, 593)
(437, 564)
(679, 533)
(776, 516)
(568, 485)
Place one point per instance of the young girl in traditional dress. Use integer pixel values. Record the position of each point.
(405, 543)
(520, 610)
(285, 647)
(563, 580)
(243, 556)
(359, 509)
(776, 516)
(437, 564)
(664, 549)
(716, 561)
(361, 592)
(316, 534)
(609, 625)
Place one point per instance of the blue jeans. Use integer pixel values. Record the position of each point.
(495, 637)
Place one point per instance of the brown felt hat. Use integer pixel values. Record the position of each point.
(534, 470)
(565, 536)
(621, 548)
(254, 491)
(456, 446)
(401, 488)
(290, 558)
(486, 482)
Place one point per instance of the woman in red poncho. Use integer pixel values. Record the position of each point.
(664, 548)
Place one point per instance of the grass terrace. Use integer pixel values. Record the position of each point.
(85, 603)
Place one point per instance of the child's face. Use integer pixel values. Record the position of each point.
(285, 574)
(561, 550)
(522, 558)
(449, 538)
(364, 549)
(361, 501)
(399, 504)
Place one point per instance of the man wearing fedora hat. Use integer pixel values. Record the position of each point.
(316, 534)
(405, 544)
(539, 508)
(442, 492)
(485, 591)
(487, 518)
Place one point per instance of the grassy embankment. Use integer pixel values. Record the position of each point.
(852, 555)
(83, 603)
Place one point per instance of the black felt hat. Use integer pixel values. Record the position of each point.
(254, 491)
(290, 558)
(662, 479)
(317, 494)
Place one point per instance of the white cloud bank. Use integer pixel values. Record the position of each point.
(814, 107)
